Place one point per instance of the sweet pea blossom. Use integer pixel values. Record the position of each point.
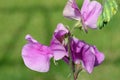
(36, 56)
(88, 15)
(58, 45)
(86, 54)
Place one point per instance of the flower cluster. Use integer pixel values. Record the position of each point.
(37, 56)
(65, 46)
(88, 15)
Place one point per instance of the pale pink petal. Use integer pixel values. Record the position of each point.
(85, 6)
(71, 10)
(91, 14)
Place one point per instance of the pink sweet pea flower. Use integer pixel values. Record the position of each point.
(88, 14)
(36, 56)
(86, 54)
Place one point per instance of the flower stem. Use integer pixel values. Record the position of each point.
(78, 69)
(75, 68)
(72, 67)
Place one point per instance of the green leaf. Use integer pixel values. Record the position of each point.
(110, 8)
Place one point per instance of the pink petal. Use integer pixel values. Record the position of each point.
(36, 56)
(99, 57)
(90, 12)
(71, 10)
(58, 49)
(85, 6)
(88, 58)
(60, 27)
(30, 39)
(60, 32)
(57, 42)
(76, 49)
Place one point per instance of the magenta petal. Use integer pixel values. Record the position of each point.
(58, 49)
(57, 43)
(90, 12)
(99, 57)
(88, 58)
(60, 32)
(85, 53)
(71, 10)
(30, 39)
(36, 56)
(76, 49)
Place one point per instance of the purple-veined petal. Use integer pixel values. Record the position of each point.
(76, 49)
(99, 57)
(71, 10)
(36, 56)
(88, 58)
(60, 32)
(57, 43)
(58, 49)
(86, 54)
(88, 15)
(90, 12)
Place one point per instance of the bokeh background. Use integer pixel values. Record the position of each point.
(39, 18)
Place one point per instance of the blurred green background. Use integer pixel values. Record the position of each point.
(39, 18)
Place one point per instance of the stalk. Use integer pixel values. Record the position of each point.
(72, 67)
